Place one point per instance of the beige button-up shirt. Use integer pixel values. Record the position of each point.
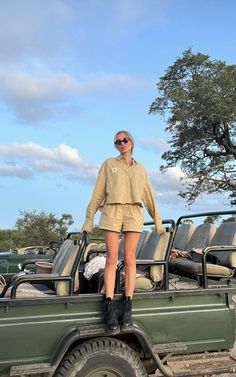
(118, 183)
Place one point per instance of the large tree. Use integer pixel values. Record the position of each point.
(10, 239)
(41, 228)
(197, 98)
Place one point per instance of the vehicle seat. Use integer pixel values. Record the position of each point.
(62, 266)
(225, 235)
(97, 249)
(93, 248)
(201, 237)
(155, 249)
(141, 243)
(182, 236)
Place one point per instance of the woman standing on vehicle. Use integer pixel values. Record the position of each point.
(121, 188)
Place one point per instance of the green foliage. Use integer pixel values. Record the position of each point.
(187, 221)
(63, 224)
(232, 197)
(212, 219)
(34, 228)
(198, 96)
(229, 219)
(218, 219)
(38, 229)
(96, 234)
(10, 239)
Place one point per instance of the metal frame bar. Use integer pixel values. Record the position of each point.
(204, 262)
(217, 213)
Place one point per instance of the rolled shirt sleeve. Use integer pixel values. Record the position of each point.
(98, 197)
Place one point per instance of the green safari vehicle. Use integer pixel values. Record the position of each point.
(52, 324)
(12, 261)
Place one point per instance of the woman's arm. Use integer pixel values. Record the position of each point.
(98, 196)
(150, 205)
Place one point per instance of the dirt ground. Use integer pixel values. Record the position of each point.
(218, 375)
(233, 352)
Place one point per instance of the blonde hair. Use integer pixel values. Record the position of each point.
(128, 135)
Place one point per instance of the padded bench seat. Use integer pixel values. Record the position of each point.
(222, 244)
(190, 267)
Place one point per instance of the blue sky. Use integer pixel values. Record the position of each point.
(73, 73)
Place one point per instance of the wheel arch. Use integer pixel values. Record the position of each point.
(101, 354)
(133, 336)
(138, 338)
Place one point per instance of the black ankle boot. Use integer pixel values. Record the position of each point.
(111, 318)
(126, 320)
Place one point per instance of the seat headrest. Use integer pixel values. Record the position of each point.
(201, 236)
(156, 272)
(147, 252)
(182, 236)
(225, 234)
(65, 269)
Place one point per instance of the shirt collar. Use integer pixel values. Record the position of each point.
(120, 158)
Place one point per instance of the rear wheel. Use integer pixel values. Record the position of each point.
(101, 357)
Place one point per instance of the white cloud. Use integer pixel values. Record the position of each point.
(32, 28)
(62, 153)
(24, 160)
(167, 185)
(35, 96)
(24, 86)
(170, 179)
(64, 164)
(42, 44)
(14, 170)
(44, 28)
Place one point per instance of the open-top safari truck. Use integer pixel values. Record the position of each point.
(52, 324)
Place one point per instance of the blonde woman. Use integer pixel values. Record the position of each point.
(121, 190)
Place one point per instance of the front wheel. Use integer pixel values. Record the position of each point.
(101, 357)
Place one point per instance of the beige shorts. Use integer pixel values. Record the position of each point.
(122, 218)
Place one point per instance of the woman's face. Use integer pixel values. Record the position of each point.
(123, 143)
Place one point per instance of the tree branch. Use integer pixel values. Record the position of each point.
(222, 137)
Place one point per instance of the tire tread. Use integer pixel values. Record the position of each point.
(100, 344)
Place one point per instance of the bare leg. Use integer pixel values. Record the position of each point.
(112, 244)
(130, 244)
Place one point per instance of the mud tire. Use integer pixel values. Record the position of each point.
(101, 357)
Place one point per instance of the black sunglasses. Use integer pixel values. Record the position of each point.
(123, 141)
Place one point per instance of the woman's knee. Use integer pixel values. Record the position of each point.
(129, 261)
(111, 260)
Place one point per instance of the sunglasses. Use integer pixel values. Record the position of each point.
(123, 141)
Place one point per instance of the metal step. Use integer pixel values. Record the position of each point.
(22, 370)
(168, 347)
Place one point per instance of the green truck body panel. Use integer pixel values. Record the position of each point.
(33, 330)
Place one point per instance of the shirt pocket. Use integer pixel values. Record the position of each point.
(114, 179)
